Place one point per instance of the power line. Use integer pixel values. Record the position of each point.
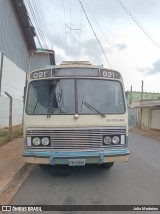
(95, 34)
(139, 24)
(80, 26)
(42, 19)
(65, 26)
(99, 26)
(36, 24)
(39, 22)
(36, 13)
(71, 28)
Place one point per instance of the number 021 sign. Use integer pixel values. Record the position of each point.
(109, 73)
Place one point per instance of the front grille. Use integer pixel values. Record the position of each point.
(76, 138)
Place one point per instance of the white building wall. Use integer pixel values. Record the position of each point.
(13, 81)
(12, 42)
(16, 63)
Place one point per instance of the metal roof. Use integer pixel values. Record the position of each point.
(46, 51)
(28, 30)
(24, 21)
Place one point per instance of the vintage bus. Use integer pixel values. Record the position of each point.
(75, 113)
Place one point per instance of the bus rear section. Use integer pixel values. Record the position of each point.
(75, 114)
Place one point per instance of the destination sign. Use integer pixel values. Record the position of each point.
(88, 72)
(82, 72)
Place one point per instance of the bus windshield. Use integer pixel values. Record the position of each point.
(79, 95)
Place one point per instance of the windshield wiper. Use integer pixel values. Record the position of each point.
(35, 106)
(51, 104)
(92, 108)
(56, 99)
(51, 107)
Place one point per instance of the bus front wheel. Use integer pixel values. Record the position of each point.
(107, 165)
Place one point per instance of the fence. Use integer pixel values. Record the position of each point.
(17, 111)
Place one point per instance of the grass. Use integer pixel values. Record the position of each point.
(6, 137)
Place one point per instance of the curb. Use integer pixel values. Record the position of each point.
(148, 133)
(13, 178)
(12, 186)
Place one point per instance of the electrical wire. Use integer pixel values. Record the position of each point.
(80, 26)
(37, 15)
(138, 24)
(44, 26)
(68, 26)
(36, 24)
(65, 27)
(95, 34)
(70, 29)
(105, 37)
(39, 22)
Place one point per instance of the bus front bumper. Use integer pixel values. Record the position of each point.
(65, 158)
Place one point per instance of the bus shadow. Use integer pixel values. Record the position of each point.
(76, 171)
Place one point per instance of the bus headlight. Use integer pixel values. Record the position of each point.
(115, 140)
(107, 140)
(45, 141)
(36, 141)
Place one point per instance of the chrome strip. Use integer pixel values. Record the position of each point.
(90, 138)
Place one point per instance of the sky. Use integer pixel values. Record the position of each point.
(126, 46)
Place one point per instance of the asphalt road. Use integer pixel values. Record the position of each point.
(136, 182)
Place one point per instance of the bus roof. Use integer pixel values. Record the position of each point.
(75, 63)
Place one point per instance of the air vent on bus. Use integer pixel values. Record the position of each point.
(75, 63)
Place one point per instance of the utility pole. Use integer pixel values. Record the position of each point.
(142, 86)
(131, 96)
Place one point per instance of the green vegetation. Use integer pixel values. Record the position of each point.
(6, 137)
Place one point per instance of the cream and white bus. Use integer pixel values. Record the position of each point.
(75, 114)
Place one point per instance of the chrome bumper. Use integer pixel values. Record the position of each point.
(91, 157)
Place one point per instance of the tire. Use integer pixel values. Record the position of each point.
(107, 165)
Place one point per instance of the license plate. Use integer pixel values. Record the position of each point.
(76, 162)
